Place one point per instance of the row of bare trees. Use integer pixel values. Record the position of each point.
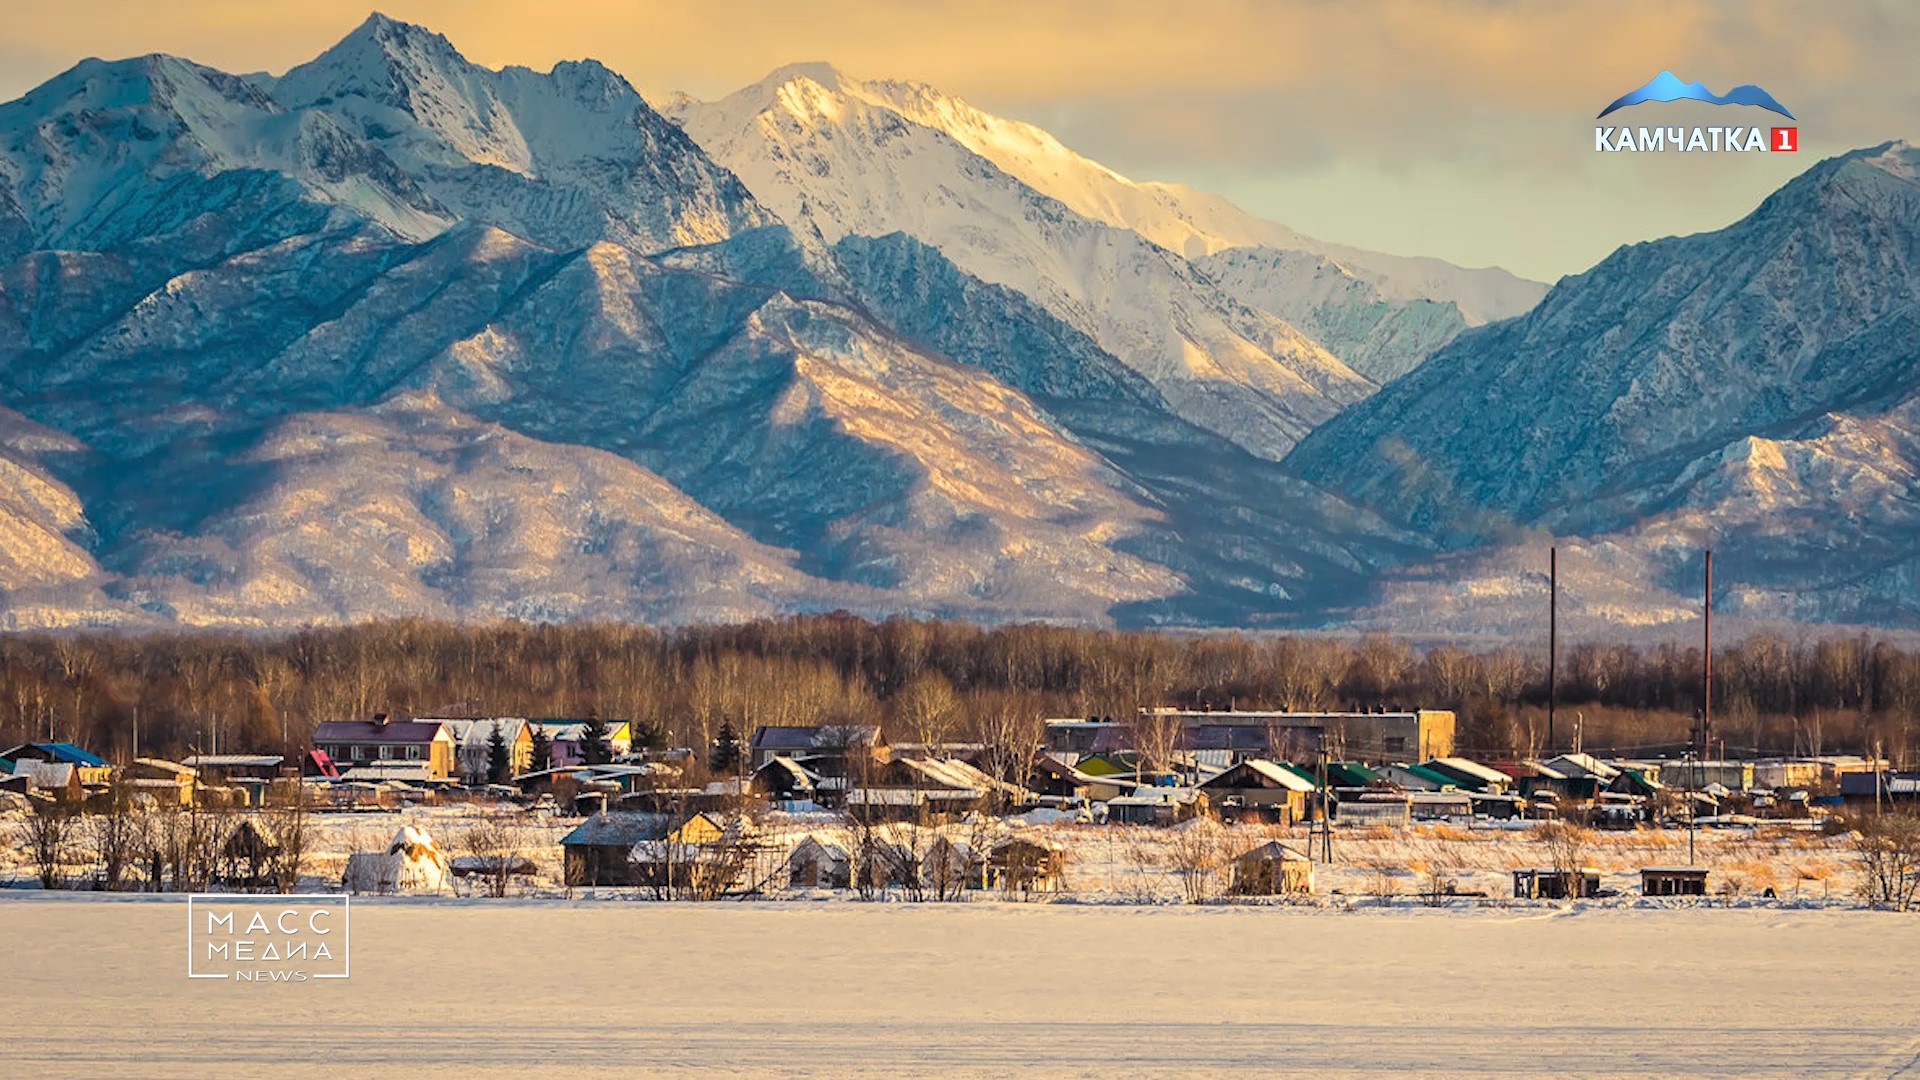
(119, 841)
(925, 681)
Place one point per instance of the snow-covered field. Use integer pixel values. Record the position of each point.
(1141, 865)
(549, 987)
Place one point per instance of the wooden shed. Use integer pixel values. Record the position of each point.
(1673, 881)
(1536, 883)
(1272, 869)
(816, 864)
(248, 855)
(1025, 865)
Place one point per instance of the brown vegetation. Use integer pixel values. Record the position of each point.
(925, 681)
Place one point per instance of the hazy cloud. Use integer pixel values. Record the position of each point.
(1299, 109)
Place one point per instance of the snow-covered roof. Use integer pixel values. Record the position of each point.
(1273, 850)
(1274, 773)
(1474, 769)
(1583, 765)
(478, 731)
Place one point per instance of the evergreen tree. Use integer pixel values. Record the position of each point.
(499, 762)
(542, 748)
(724, 759)
(593, 740)
(648, 736)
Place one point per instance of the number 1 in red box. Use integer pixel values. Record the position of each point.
(1785, 140)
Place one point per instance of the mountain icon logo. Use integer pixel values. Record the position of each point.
(1667, 86)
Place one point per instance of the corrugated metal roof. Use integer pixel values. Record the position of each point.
(623, 829)
(370, 731)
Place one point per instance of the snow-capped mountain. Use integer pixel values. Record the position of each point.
(1752, 389)
(396, 333)
(562, 158)
(833, 158)
(1192, 223)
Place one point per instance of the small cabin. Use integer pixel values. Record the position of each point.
(1272, 869)
(1552, 884)
(1673, 881)
(816, 864)
(1024, 865)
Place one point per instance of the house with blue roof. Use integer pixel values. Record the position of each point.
(65, 752)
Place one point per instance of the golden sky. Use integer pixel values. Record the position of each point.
(1460, 129)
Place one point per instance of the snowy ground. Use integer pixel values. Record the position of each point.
(1139, 865)
(549, 987)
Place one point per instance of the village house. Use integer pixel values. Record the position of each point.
(1150, 805)
(251, 774)
(1416, 778)
(1470, 775)
(55, 780)
(1276, 736)
(600, 850)
(368, 744)
(167, 783)
(1258, 790)
(1371, 808)
(473, 742)
(1865, 791)
(829, 750)
(784, 780)
(89, 767)
(918, 789)
(567, 742)
(1700, 775)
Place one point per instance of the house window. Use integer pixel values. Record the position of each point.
(386, 752)
(1396, 744)
(413, 753)
(359, 754)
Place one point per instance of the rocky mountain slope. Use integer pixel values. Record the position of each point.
(1753, 388)
(395, 333)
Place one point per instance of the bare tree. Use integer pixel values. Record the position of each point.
(1200, 858)
(1011, 734)
(498, 844)
(1157, 737)
(928, 707)
(1889, 850)
(1566, 845)
(290, 827)
(116, 834)
(51, 833)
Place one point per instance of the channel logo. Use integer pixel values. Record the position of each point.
(1667, 86)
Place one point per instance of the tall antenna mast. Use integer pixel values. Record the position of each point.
(1553, 638)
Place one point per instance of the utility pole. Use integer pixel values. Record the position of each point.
(1706, 689)
(1690, 805)
(1879, 778)
(136, 732)
(1324, 825)
(1553, 638)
